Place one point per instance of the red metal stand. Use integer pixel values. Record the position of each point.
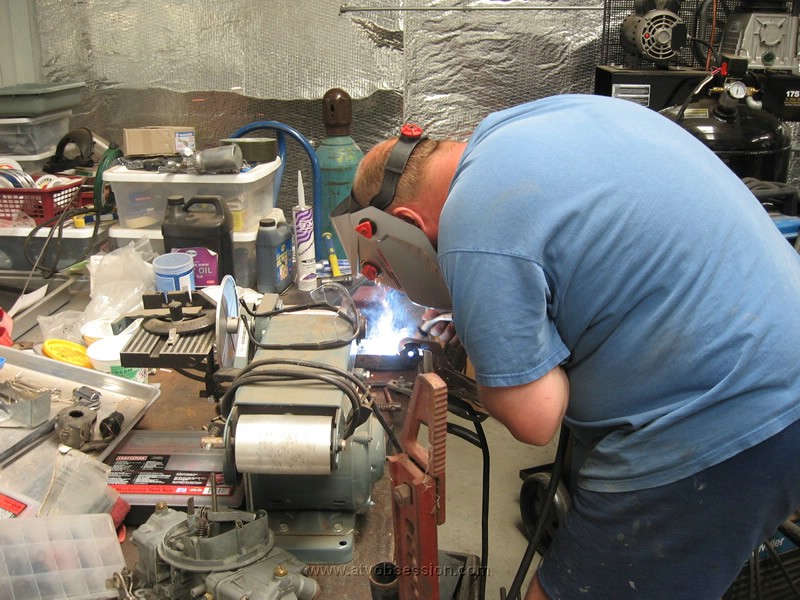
(418, 499)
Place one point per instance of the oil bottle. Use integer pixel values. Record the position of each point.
(201, 226)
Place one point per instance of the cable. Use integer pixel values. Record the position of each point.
(185, 373)
(466, 411)
(262, 372)
(389, 433)
(710, 50)
(327, 344)
(552, 487)
(775, 194)
(713, 33)
(285, 309)
(782, 567)
(690, 97)
(57, 223)
(98, 190)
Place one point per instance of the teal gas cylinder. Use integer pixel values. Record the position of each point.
(338, 157)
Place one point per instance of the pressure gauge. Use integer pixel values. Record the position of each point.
(736, 89)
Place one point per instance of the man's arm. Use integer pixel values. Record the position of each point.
(532, 412)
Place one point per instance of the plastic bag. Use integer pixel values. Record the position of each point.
(65, 325)
(118, 281)
(79, 486)
(20, 219)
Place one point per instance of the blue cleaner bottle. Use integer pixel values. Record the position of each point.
(338, 157)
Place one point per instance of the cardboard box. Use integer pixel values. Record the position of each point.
(157, 140)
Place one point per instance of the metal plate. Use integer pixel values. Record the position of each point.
(31, 473)
(13, 282)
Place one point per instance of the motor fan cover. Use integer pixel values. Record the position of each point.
(656, 36)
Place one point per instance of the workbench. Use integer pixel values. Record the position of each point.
(179, 407)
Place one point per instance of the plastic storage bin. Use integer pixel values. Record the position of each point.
(244, 249)
(141, 196)
(33, 99)
(33, 163)
(32, 135)
(74, 241)
(51, 558)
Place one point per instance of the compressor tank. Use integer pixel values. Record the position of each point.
(752, 142)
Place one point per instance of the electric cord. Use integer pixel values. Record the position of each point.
(775, 194)
(709, 48)
(285, 309)
(56, 224)
(698, 88)
(387, 429)
(107, 160)
(466, 411)
(754, 577)
(264, 373)
(782, 567)
(306, 363)
(324, 345)
(188, 375)
(533, 543)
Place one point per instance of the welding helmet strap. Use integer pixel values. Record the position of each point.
(396, 164)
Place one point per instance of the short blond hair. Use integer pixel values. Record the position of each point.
(369, 177)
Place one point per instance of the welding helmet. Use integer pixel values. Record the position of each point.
(387, 249)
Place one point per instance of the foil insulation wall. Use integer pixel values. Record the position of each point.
(218, 66)
(444, 64)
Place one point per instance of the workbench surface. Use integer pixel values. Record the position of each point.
(180, 408)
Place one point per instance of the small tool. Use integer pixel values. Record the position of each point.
(331, 251)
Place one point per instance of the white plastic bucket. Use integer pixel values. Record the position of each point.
(174, 272)
(97, 330)
(104, 356)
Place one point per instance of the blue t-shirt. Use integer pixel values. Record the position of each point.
(595, 233)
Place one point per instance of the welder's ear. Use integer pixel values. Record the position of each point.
(409, 215)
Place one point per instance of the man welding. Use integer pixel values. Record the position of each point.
(607, 270)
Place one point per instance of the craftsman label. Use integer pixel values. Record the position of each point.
(10, 508)
(148, 474)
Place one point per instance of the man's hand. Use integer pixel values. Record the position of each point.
(436, 323)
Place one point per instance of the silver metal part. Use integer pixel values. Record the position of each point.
(23, 404)
(284, 444)
(86, 396)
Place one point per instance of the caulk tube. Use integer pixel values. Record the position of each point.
(306, 261)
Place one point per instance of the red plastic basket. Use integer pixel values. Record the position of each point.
(41, 205)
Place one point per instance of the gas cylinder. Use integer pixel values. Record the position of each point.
(338, 157)
(201, 226)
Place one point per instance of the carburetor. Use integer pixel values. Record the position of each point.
(225, 555)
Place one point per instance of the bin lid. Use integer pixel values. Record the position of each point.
(39, 89)
(66, 351)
